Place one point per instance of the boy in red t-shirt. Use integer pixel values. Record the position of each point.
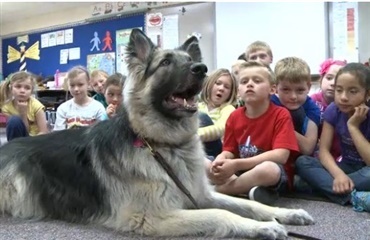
(258, 143)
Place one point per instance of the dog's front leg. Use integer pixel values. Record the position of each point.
(256, 210)
(206, 222)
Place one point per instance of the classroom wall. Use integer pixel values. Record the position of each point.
(364, 31)
(291, 29)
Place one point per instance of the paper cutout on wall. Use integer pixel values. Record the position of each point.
(154, 19)
(96, 41)
(33, 53)
(107, 41)
(102, 61)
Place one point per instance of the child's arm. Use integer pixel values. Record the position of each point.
(362, 144)
(342, 183)
(41, 122)
(216, 131)
(278, 155)
(307, 142)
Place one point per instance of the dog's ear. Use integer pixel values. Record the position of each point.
(139, 46)
(191, 46)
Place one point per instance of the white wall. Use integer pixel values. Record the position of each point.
(45, 20)
(364, 31)
(291, 29)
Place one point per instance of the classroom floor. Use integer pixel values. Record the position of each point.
(333, 222)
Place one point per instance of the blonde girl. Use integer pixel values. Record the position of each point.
(217, 103)
(26, 115)
(113, 93)
(81, 110)
(97, 82)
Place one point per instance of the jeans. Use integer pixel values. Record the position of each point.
(212, 148)
(313, 172)
(15, 128)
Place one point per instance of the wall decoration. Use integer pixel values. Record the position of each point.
(107, 41)
(78, 36)
(96, 41)
(101, 61)
(33, 53)
(122, 38)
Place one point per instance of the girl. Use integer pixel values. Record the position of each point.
(26, 115)
(218, 97)
(346, 181)
(97, 81)
(328, 71)
(81, 110)
(113, 93)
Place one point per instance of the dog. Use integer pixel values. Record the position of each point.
(106, 174)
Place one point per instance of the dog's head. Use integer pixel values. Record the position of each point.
(163, 84)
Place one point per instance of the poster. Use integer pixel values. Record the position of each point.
(68, 36)
(122, 38)
(60, 37)
(170, 30)
(101, 61)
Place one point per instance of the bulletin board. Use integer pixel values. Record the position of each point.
(78, 45)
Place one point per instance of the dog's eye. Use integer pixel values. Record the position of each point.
(165, 62)
(189, 59)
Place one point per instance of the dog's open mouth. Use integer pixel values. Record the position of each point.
(182, 101)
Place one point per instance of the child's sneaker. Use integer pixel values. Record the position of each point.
(360, 201)
(263, 195)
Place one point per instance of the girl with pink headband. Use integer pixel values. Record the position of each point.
(328, 71)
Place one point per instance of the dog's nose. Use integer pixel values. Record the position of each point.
(198, 68)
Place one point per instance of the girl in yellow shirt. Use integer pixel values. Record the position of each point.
(217, 100)
(26, 115)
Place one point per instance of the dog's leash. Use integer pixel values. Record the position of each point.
(157, 156)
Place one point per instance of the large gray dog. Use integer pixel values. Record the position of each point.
(106, 174)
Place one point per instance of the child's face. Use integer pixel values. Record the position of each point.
(221, 90)
(22, 89)
(348, 93)
(78, 86)
(327, 82)
(260, 56)
(97, 83)
(235, 68)
(254, 85)
(113, 95)
(292, 95)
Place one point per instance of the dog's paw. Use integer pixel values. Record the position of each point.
(271, 230)
(294, 217)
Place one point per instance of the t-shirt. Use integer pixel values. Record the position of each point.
(34, 106)
(320, 101)
(70, 114)
(100, 98)
(338, 120)
(247, 137)
(219, 116)
(311, 110)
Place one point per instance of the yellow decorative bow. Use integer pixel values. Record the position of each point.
(33, 53)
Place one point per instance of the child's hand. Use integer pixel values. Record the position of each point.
(224, 168)
(22, 107)
(111, 110)
(343, 184)
(358, 116)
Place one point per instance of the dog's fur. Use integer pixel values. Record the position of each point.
(105, 175)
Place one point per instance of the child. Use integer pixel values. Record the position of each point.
(81, 110)
(26, 115)
(98, 78)
(293, 78)
(113, 93)
(218, 96)
(328, 71)
(346, 181)
(259, 51)
(259, 138)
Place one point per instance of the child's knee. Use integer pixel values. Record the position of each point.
(13, 121)
(268, 170)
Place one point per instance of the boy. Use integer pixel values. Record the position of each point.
(293, 79)
(258, 140)
(97, 81)
(259, 51)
